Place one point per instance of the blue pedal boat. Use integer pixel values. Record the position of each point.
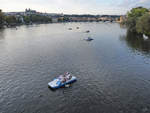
(56, 83)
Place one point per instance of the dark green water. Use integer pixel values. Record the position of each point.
(113, 70)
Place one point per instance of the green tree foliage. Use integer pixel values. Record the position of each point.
(133, 16)
(26, 19)
(1, 18)
(11, 20)
(65, 19)
(137, 12)
(131, 24)
(143, 24)
(40, 19)
(36, 19)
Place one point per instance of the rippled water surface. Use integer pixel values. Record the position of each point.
(113, 70)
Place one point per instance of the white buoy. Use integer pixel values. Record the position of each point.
(145, 37)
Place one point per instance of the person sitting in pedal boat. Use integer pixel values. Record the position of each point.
(62, 78)
(68, 76)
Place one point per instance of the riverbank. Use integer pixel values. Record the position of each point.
(38, 23)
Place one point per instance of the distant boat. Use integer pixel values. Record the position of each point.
(70, 29)
(89, 39)
(87, 31)
(77, 27)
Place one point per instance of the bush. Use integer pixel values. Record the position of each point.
(143, 24)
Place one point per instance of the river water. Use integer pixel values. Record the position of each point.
(113, 70)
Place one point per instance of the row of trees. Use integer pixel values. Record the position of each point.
(36, 19)
(15, 20)
(138, 21)
(1, 19)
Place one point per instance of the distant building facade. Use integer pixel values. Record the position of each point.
(82, 19)
(54, 20)
(33, 12)
(30, 12)
(122, 18)
(60, 17)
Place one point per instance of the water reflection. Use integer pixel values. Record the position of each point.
(136, 42)
(1, 34)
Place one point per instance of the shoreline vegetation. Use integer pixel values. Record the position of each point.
(137, 21)
(29, 17)
(11, 20)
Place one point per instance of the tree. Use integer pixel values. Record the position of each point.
(1, 18)
(11, 20)
(66, 19)
(137, 12)
(143, 24)
(26, 19)
(133, 16)
(37, 19)
(131, 24)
